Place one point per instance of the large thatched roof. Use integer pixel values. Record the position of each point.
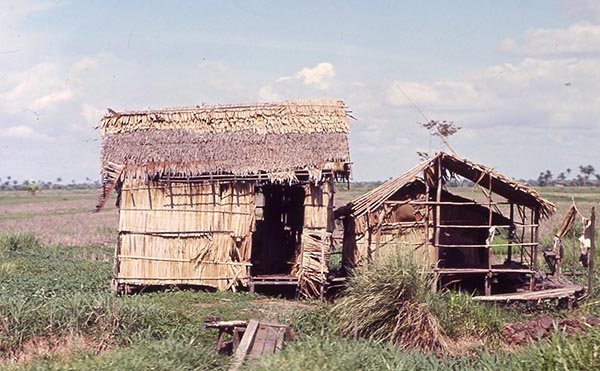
(508, 188)
(231, 139)
(276, 139)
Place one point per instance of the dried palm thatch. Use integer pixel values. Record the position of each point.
(477, 173)
(312, 256)
(197, 234)
(387, 300)
(186, 181)
(502, 185)
(408, 205)
(276, 139)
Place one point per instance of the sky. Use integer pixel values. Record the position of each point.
(522, 78)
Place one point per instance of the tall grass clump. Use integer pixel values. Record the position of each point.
(561, 352)
(10, 241)
(461, 316)
(166, 354)
(388, 300)
(114, 319)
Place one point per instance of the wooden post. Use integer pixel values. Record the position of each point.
(574, 265)
(322, 288)
(535, 233)
(591, 253)
(149, 195)
(488, 276)
(250, 280)
(426, 218)
(369, 235)
(536, 221)
(510, 232)
(438, 199)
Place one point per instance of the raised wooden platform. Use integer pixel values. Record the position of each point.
(272, 280)
(569, 292)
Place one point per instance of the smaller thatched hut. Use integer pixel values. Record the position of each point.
(225, 196)
(449, 235)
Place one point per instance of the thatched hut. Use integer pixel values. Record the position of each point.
(451, 236)
(225, 196)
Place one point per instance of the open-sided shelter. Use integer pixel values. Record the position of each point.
(225, 196)
(449, 235)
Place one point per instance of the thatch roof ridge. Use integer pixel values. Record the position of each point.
(293, 116)
(275, 140)
(478, 173)
(233, 107)
(375, 197)
(501, 184)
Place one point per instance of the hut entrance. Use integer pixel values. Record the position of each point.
(278, 230)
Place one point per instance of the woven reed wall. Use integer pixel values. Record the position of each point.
(377, 233)
(312, 261)
(185, 233)
(411, 240)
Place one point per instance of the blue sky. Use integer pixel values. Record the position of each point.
(521, 78)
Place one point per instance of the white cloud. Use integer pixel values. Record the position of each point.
(266, 94)
(86, 63)
(91, 113)
(17, 9)
(321, 76)
(582, 9)
(580, 38)
(23, 132)
(541, 93)
(438, 94)
(39, 87)
(52, 98)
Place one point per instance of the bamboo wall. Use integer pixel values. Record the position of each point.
(312, 261)
(390, 227)
(185, 233)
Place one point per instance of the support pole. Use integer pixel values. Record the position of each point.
(591, 253)
(426, 218)
(488, 276)
(438, 199)
(535, 235)
(511, 232)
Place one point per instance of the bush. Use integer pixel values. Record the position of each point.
(562, 352)
(387, 300)
(18, 241)
(335, 353)
(167, 354)
(460, 316)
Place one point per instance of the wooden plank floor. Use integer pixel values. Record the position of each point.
(563, 292)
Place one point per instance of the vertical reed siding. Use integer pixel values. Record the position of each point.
(184, 233)
(312, 261)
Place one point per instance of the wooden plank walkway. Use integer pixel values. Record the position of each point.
(563, 292)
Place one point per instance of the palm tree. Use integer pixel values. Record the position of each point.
(586, 171)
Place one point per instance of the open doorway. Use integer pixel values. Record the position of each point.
(276, 241)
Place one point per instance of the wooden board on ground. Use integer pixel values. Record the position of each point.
(260, 337)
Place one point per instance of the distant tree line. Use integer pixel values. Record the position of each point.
(8, 183)
(586, 177)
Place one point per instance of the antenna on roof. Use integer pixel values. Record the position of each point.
(442, 129)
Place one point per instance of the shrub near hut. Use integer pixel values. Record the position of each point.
(387, 299)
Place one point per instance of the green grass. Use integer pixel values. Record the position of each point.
(580, 352)
(49, 294)
(21, 197)
(46, 295)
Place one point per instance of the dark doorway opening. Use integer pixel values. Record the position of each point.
(276, 241)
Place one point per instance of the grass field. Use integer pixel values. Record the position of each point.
(56, 311)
